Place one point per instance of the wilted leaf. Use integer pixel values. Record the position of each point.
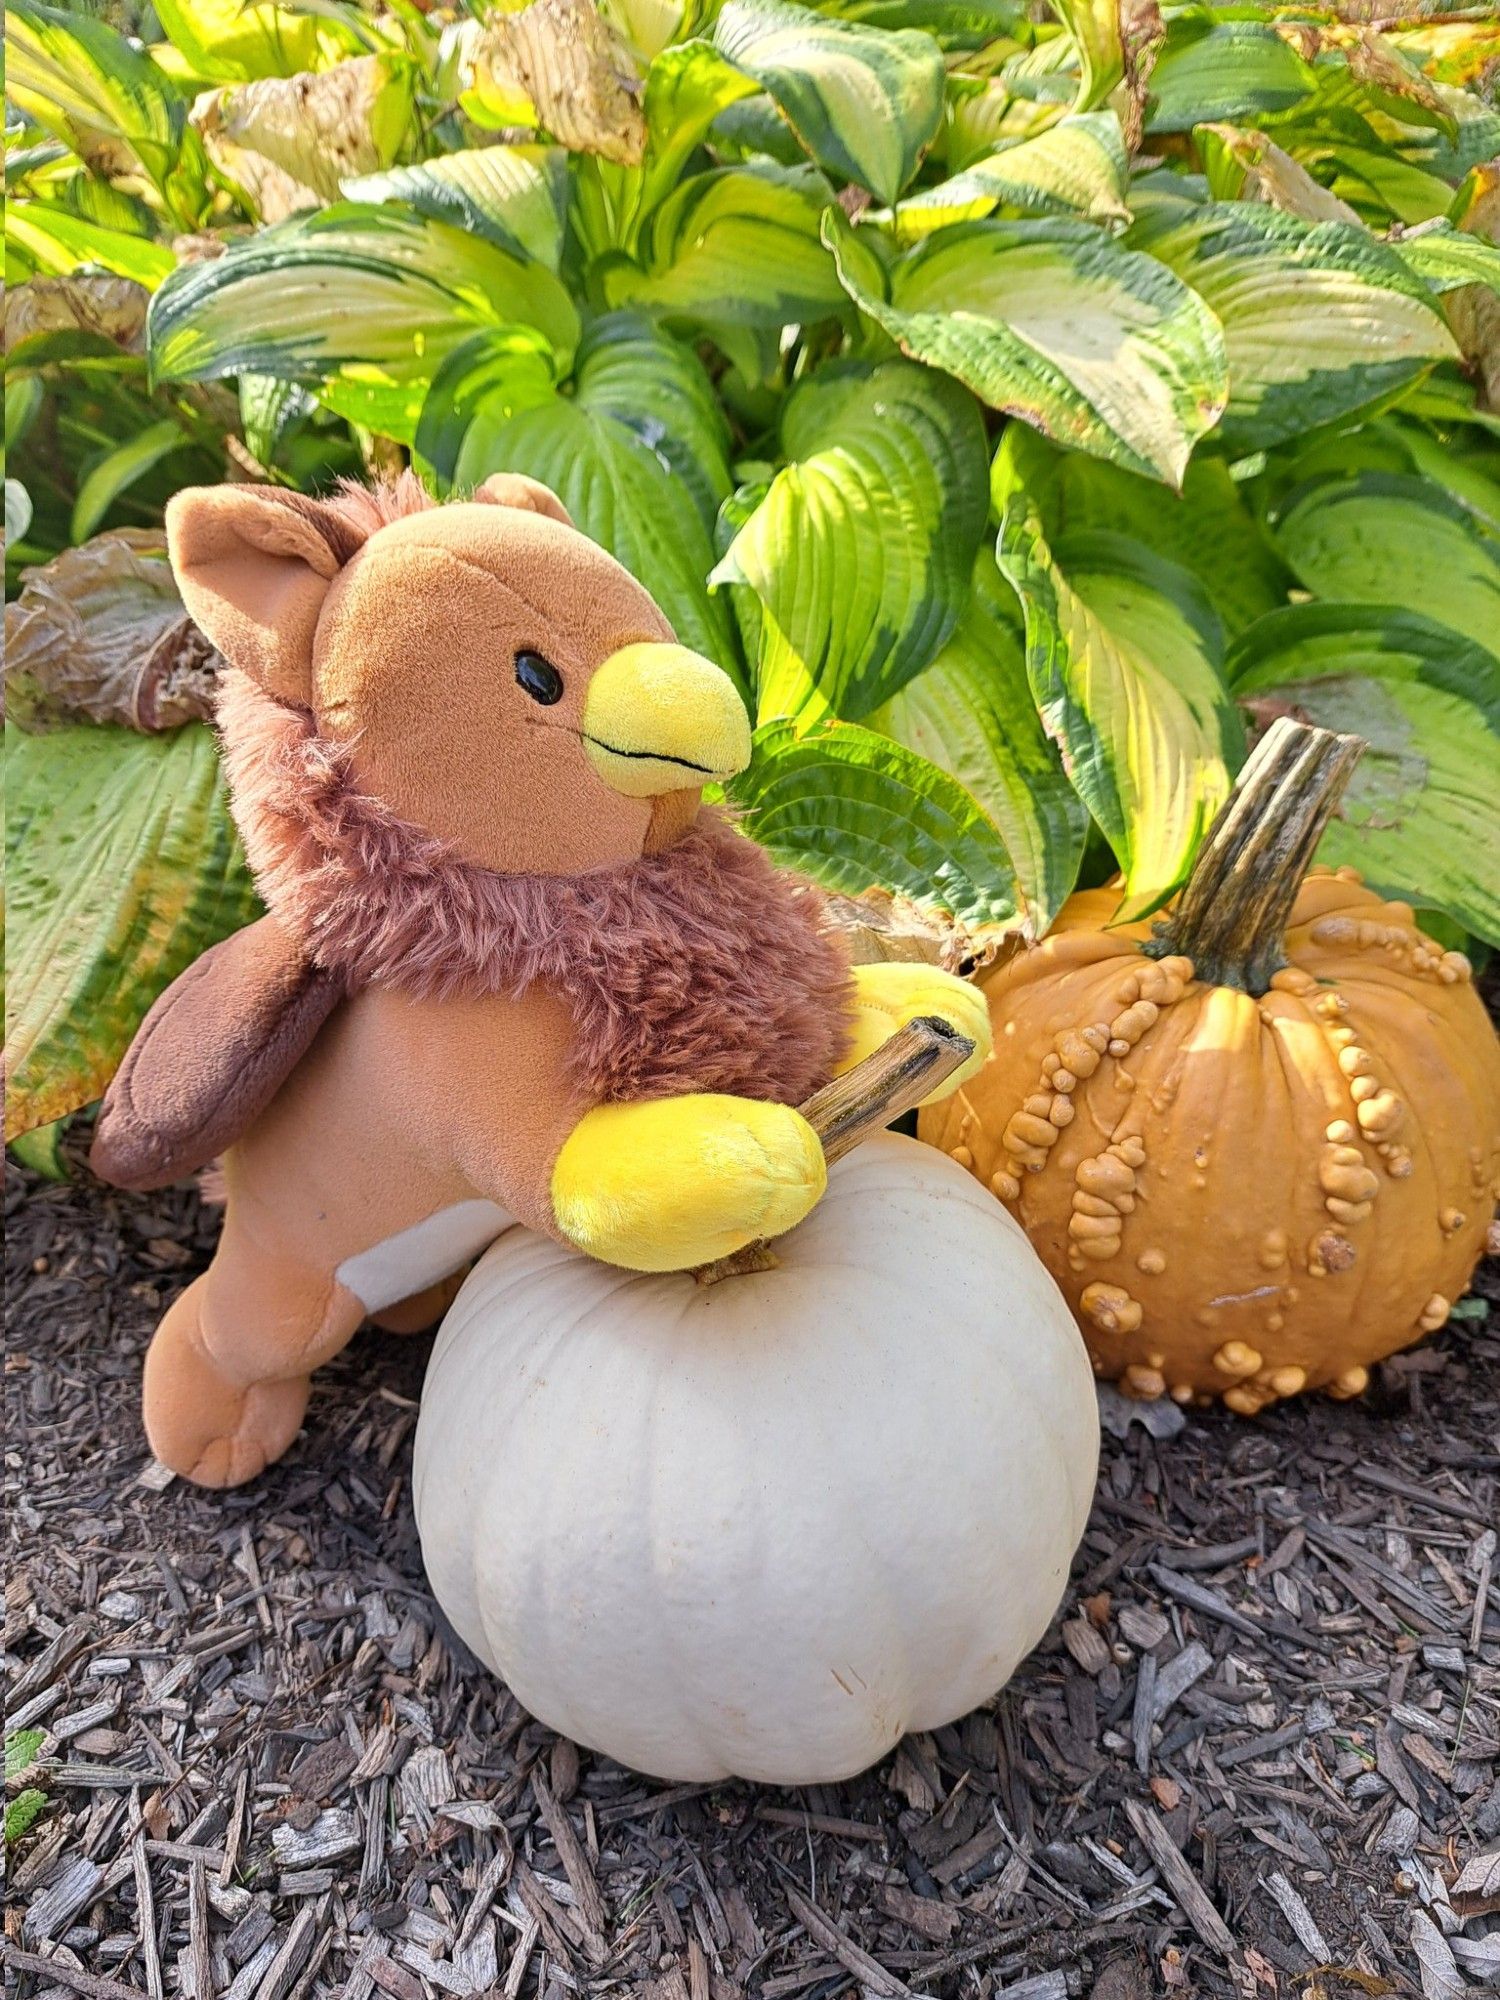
(860, 553)
(1097, 346)
(855, 811)
(972, 714)
(1123, 652)
(1380, 538)
(121, 869)
(866, 102)
(112, 308)
(879, 928)
(560, 66)
(1245, 165)
(100, 632)
(1418, 817)
(316, 128)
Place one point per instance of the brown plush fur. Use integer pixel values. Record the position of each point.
(698, 968)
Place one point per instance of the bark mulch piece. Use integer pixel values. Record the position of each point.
(1258, 1754)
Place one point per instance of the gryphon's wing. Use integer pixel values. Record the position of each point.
(210, 1056)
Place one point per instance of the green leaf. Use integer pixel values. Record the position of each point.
(1207, 529)
(635, 472)
(1098, 347)
(1445, 257)
(55, 242)
(1123, 653)
(122, 867)
(855, 811)
(1418, 819)
(22, 1813)
(1381, 538)
(17, 511)
(972, 714)
(77, 78)
(1320, 320)
(21, 1746)
(861, 552)
(953, 24)
(737, 247)
(1210, 70)
(365, 300)
(118, 470)
(1094, 28)
(1076, 167)
(40, 1152)
(233, 41)
(515, 196)
(479, 387)
(866, 102)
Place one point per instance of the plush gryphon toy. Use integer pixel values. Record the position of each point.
(512, 966)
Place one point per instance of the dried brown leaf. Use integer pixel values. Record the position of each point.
(291, 141)
(100, 632)
(563, 59)
(112, 307)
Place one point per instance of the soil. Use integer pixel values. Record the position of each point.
(1257, 1754)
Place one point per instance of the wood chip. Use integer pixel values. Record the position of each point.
(1191, 1897)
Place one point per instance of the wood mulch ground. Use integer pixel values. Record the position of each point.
(1258, 1754)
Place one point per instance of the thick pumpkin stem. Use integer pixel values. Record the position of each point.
(1231, 918)
(907, 1067)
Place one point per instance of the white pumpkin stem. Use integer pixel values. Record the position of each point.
(905, 1069)
(1231, 918)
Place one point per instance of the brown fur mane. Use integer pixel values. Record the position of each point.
(698, 968)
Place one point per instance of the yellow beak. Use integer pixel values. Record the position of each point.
(659, 718)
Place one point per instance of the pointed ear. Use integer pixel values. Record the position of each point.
(254, 564)
(514, 489)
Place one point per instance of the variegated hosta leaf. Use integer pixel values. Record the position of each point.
(1320, 320)
(1379, 538)
(55, 243)
(972, 714)
(866, 102)
(1097, 346)
(558, 66)
(1418, 818)
(515, 196)
(315, 128)
(1076, 167)
(1447, 258)
(364, 302)
(1210, 70)
(737, 246)
(121, 868)
(1123, 652)
(103, 97)
(953, 24)
(1094, 29)
(861, 551)
(1207, 529)
(636, 455)
(856, 811)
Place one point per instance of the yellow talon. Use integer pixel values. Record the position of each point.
(890, 995)
(679, 1181)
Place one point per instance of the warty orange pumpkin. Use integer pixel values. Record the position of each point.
(1257, 1143)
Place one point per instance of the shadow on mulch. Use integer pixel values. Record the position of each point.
(1261, 1737)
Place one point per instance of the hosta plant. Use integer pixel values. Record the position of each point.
(1023, 411)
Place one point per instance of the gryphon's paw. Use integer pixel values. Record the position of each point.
(890, 995)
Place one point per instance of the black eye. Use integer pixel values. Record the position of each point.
(539, 677)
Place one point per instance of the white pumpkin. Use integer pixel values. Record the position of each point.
(762, 1528)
